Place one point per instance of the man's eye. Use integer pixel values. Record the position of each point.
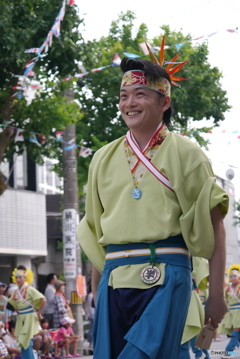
(140, 93)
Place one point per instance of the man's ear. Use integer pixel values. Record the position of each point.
(166, 103)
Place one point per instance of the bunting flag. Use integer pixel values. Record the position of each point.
(144, 48)
(131, 56)
(32, 50)
(233, 30)
(214, 33)
(19, 135)
(85, 152)
(116, 60)
(33, 139)
(59, 135)
(55, 30)
(68, 148)
(42, 138)
(178, 46)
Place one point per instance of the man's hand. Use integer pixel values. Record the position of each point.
(39, 314)
(215, 309)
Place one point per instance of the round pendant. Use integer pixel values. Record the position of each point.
(136, 193)
(150, 275)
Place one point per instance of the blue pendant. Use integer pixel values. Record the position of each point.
(136, 193)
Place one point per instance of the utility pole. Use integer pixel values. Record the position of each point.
(71, 248)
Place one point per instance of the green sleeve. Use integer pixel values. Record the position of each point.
(200, 272)
(34, 296)
(89, 229)
(198, 195)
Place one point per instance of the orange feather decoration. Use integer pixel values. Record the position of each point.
(170, 69)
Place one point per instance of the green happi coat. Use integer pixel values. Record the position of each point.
(113, 216)
(27, 324)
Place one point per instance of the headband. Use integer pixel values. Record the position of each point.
(161, 85)
(235, 272)
(134, 77)
(21, 273)
(28, 274)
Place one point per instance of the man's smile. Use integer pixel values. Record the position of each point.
(132, 113)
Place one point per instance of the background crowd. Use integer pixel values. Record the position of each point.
(49, 319)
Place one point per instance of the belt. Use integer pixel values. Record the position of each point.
(234, 306)
(172, 250)
(146, 251)
(26, 310)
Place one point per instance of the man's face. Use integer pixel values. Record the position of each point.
(20, 279)
(54, 279)
(234, 279)
(142, 108)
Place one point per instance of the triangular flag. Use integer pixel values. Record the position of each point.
(116, 60)
(68, 148)
(42, 138)
(59, 135)
(19, 135)
(131, 56)
(33, 139)
(144, 48)
(85, 152)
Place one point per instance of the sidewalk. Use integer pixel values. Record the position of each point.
(215, 349)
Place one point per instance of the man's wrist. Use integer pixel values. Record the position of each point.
(216, 295)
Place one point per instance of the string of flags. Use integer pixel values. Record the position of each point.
(36, 137)
(117, 60)
(54, 31)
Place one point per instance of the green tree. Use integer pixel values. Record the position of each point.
(25, 24)
(237, 216)
(201, 97)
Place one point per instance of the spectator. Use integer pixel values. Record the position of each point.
(3, 350)
(10, 340)
(65, 337)
(60, 303)
(3, 302)
(42, 340)
(49, 294)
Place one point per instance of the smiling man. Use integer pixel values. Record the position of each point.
(152, 202)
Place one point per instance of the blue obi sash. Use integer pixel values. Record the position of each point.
(174, 256)
(26, 310)
(177, 284)
(234, 306)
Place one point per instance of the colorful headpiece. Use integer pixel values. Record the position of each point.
(234, 269)
(162, 85)
(28, 274)
(134, 77)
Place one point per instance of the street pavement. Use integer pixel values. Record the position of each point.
(215, 350)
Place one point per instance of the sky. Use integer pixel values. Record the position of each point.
(197, 17)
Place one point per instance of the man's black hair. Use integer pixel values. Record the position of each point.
(21, 267)
(50, 276)
(152, 71)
